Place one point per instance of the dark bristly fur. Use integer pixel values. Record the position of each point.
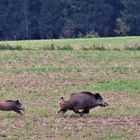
(11, 105)
(81, 102)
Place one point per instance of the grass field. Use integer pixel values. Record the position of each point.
(38, 76)
(112, 43)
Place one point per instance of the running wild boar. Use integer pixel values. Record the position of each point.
(11, 105)
(81, 102)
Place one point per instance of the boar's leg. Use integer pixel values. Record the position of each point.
(86, 111)
(76, 110)
(61, 110)
(18, 111)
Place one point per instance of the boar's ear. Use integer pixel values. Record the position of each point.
(98, 96)
(17, 101)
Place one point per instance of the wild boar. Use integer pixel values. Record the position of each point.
(11, 105)
(81, 102)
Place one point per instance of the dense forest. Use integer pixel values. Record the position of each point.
(45, 19)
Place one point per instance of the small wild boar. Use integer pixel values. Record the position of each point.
(11, 105)
(82, 102)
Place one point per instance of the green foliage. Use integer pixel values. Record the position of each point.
(120, 69)
(107, 85)
(115, 136)
(112, 43)
(92, 34)
(55, 47)
(94, 47)
(130, 15)
(121, 28)
(43, 19)
(133, 47)
(10, 47)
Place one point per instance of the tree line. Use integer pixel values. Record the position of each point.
(45, 19)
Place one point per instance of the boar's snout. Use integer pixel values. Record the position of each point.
(100, 101)
(22, 108)
(19, 105)
(104, 104)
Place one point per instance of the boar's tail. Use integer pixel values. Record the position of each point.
(66, 102)
(62, 98)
